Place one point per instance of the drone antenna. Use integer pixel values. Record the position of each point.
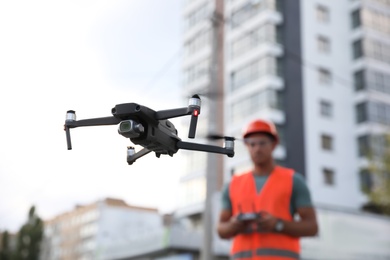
(194, 104)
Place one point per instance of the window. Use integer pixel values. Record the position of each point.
(383, 2)
(195, 162)
(366, 181)
(265, 99)
(378, 112)
(326, 142)
(325, 108)
(357, 49)
(361, 113)
(198, 42)
(245, 13)
(356, 22)
(252, 39)
(363, 145)
(379, 81)
(380, 144)
(324, 76)
(253, 71)
(323, 44)
(378, 50)
(376, 20)
(196, 72)
(328, 175)
(282, 139)
(359, 80)
(375, 146)
(281, 162)
(322, 14)
(196, 17)
(251, 9)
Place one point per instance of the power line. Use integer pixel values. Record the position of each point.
(164, 69)
(311, 65)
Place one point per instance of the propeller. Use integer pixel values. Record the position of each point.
(208, 94)
(219, 137)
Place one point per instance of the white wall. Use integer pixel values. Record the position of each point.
(126, 229)
(348, 236)
(343, 159)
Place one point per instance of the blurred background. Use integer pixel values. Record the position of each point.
(320, 70)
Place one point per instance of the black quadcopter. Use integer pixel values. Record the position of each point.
(151, 129)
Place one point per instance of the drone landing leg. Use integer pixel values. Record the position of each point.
(68, 140)
(133, 157)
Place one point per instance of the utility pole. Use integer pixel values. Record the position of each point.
(214, 170)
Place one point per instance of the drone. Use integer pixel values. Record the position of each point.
(151, 129)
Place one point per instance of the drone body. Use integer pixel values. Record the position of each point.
(151, 129)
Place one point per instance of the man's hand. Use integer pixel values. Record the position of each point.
(266, 222)
(239, 225)
(229, 225)
(306, 226)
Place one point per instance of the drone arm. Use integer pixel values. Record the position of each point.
(92, 122)
(71, 122)
(193, 109)
(171, 113)
(132, 157)
(205, 148)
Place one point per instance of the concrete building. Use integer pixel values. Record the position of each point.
(101, 230)
(318, 69)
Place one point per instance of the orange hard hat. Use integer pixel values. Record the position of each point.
(261, 126)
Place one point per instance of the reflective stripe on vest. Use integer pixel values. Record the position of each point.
(266, 252)
(243, 254)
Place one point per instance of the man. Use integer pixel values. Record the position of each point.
(259, 207)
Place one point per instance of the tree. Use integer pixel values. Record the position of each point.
(5, 250)
(379, 169)
(30, 237)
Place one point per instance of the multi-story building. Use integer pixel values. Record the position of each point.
(370, 21)
(316, 68)
(106, 229)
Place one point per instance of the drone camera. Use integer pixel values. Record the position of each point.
(130, 129)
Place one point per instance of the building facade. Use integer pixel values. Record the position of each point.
(316, 68)
(101, 230)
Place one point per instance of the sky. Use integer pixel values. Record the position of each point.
(87, 56)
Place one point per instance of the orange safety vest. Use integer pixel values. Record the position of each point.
(274, 198)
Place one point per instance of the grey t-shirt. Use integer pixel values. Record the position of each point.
(300, 194)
